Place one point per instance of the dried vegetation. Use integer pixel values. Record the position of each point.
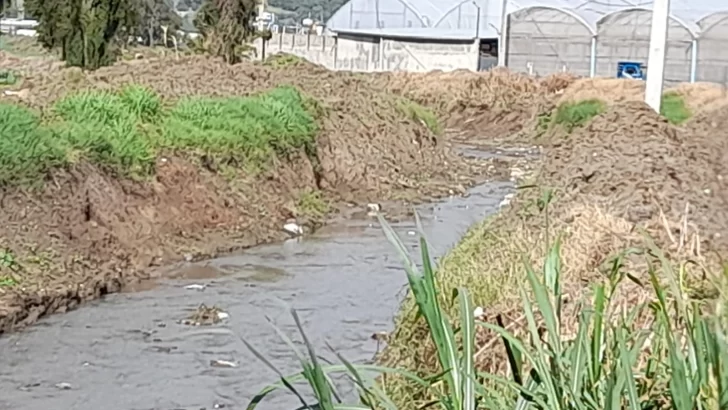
(608, 180)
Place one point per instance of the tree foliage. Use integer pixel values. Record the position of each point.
(226, 26)
(152, 15)
(83, 30)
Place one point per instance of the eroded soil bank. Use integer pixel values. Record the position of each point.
(612, 171)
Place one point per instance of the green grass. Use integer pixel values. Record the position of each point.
(417, 112)
(673, 108)
(242, 129)
(124, 131)
(571, 115)
(676, 358)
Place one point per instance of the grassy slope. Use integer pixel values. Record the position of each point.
(123, 132)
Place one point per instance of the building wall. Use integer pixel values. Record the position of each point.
(371, 53)
(400, 55)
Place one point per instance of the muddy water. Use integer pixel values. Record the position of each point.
(128, 352)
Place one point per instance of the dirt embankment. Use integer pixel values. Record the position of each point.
(625, 171)
(86, 233)
(489, 107)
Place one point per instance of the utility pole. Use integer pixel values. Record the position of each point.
(503, 37)
(656, 59)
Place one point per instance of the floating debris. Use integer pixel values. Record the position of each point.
(506, 200)
(64, 386)
(479, 313)
(373, 207)
(196, 287)
(205, 316)
(223, 363)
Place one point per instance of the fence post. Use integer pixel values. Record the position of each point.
(336, 52)
(593, 59)
(694, 61)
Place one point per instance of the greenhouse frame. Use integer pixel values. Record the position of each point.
(585, 37)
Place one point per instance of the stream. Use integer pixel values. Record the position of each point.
(128, 351)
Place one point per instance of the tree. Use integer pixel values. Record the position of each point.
(153, 14)
(226, 26)
(84, 30)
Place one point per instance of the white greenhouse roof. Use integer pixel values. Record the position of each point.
(457, 18)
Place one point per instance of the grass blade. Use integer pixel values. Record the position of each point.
(468, 334)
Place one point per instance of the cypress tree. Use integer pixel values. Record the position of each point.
(226, 26)
(84, 30)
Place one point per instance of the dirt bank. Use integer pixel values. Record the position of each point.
(85, 231)
(625, 171)
(481, 106)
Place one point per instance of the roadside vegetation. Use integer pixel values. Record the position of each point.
(664, 353)
(123, 132)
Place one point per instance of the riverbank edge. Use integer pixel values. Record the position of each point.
(27, 306)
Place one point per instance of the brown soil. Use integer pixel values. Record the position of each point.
(488, 106)
(87, 234)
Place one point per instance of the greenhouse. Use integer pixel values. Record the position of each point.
(586, 37)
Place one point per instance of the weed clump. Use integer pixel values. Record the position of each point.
(27, 150)
(417, 112)
(673, 108)
(312, 203)
(572, 115)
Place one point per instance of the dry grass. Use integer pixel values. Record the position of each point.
(489, 262)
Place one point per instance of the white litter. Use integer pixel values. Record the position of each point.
(293, 229)
(374, 207)
(223, 363)
(196, 287)
(223, 315)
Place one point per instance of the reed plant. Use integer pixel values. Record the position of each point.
(671, 352)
